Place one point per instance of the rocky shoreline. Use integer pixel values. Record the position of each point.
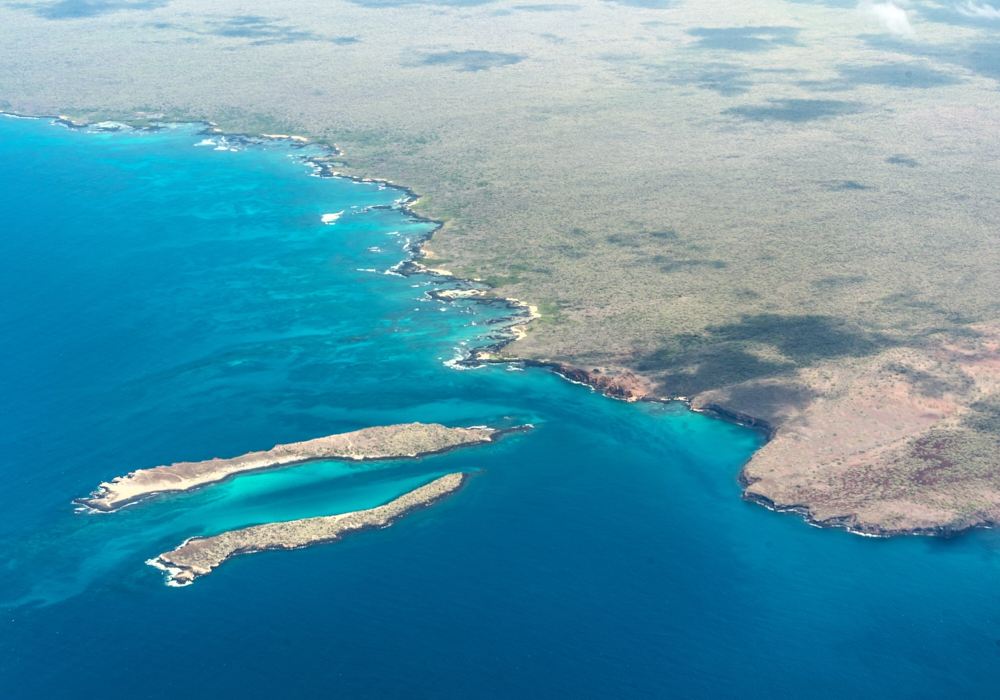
(325, 166)
(416, 263)
(735, 417)
(409, 440)
(619, 383)
(198, 556)
(628, 387)
(851, 524)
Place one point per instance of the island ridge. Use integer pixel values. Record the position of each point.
(198, 556)
(383, 442)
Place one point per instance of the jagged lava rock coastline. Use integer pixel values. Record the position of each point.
(968, 509)
(198, 556)
(624, 385)
(620, 383)
(880, 516)
(408, 440)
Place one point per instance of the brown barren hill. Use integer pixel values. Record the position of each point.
(905, 442)
(383, 442)
(198, 556)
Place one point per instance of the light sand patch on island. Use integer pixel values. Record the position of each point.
(198, 556)
(382, 442)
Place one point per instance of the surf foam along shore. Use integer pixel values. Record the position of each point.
(383, 442)
(199, 555)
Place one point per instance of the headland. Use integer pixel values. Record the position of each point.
(199, 555)
(407, 440)
(900, 443)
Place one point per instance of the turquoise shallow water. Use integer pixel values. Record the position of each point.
(162, 301)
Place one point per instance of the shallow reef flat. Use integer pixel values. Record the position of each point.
(198, 556)
(381, 442)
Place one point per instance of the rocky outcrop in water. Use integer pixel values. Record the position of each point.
(199, 556)
(383, 442)
(624, 385)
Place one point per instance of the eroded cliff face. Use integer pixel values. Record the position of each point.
(906, 442)
(624, 385)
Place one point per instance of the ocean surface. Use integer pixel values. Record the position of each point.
(162, 300)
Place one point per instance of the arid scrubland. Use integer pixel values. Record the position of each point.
(786, 210)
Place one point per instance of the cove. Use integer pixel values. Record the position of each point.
(163, 301)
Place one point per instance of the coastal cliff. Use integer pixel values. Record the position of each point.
(624, 385)
(199, 556)
(382, 442)
(903, 443)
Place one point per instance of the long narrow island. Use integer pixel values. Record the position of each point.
(382, 442)
(199, 555)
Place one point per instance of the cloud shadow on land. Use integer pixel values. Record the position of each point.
(670, 264)
(803, 339)
(846, 185)
(793, 110)
(722, 356)
(982, 58)
(843, 4)
(471, 61)
(900, 159)
(547, 8)
(745, 39)
(900, 75)
(638, 239)
(725, 79)
(645, 4)
(964, 13)
(837, 282)
(265, 30)
(78, 9)
(915, 311)
(379, 4)
(770, 402)
(985, 415)
(686, 374)
(897, 75)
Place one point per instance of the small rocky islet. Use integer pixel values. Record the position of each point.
(406, 440)
(198, 556)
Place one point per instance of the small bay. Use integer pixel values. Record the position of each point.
(164, 301)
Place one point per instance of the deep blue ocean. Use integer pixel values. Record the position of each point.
(163, 301)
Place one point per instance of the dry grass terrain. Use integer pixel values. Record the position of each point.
(902, 442)
(783, 203)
